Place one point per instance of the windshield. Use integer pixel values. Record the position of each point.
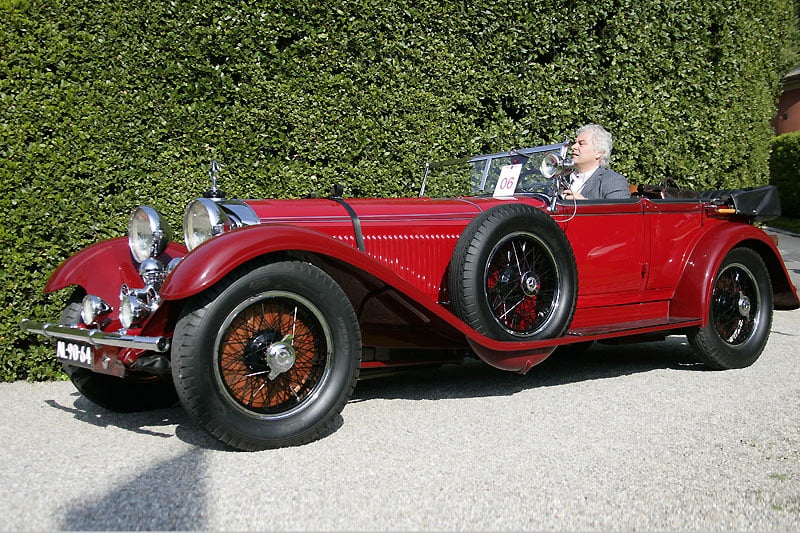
(501, 174)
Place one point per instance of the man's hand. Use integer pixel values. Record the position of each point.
(567, 194)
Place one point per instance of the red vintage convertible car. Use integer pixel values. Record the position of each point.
(262, 322)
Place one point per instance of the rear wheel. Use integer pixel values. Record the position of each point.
(739, 314)
(126, 395)
(269, 356)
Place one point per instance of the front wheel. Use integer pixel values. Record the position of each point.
(123, 395)
(269, 356)
(739, 314)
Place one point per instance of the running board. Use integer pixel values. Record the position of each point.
(634, 327)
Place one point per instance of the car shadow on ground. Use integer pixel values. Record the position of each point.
(149, 422)
(142, 422)
(179, 503)
(474, 379)
(471, 379)
(170, 495)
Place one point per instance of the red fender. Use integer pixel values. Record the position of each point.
(215, 258)
(103, 267)
(693, 292)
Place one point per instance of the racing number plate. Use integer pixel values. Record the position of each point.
(75, 354)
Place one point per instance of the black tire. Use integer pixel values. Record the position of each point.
(513, 275)
(128, 395)
(739, 314)
(241, 377)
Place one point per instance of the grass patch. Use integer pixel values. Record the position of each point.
(789, 224)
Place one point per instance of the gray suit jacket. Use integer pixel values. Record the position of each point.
(606, 184)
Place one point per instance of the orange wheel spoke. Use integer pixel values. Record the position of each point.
(245, 361)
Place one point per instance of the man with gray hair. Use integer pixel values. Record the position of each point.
(592, 179)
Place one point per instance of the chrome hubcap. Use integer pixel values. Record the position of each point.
(280, 357)
(744, 305)
(530, 284)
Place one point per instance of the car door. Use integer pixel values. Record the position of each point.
(611, 247)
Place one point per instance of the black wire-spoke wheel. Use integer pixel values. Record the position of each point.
(269, 356)
(734, 304)
(273, 354)
(522, 287)
(513, 275)
(739, 314)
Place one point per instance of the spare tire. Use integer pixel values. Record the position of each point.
(513, 275)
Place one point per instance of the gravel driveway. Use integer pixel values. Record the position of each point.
(623, 437)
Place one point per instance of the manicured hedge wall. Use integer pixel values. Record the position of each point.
(106, 105)
(784, 166)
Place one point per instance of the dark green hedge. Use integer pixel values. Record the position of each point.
(784, 167)
(106, 105)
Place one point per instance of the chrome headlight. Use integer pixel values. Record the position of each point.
(203, 220)
(92, 308)
(135, 305)
(131, 311)
(147, 235)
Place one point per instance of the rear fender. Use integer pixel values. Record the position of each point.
(693, 292)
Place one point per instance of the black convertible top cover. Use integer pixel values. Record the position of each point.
(760, 203)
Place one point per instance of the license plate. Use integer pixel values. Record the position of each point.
(75, 354)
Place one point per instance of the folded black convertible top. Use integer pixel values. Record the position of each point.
(760, 203)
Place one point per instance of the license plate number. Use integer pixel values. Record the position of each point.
(75, 354)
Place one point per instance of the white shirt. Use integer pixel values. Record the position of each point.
(578, 180)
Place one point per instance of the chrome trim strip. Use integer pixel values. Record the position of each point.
(472, 203)
(95, 337)
(413, 217)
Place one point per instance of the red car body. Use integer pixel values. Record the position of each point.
(645, 269)
(644, 266)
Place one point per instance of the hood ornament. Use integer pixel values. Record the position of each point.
(213, 173)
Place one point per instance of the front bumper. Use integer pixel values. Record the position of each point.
(95, 337)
